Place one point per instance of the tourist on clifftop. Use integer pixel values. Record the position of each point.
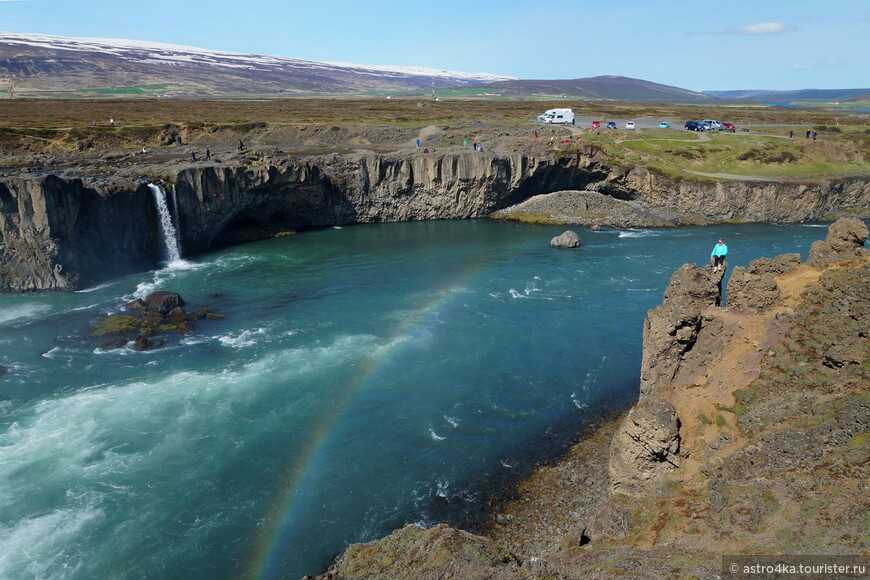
(720, 250)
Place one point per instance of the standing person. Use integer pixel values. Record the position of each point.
(814, 135)
(808, 133)
(417, 143)
(207, 153)
(241, 145)
(720, 250)
(790, 134)
(111, 122)
(193, 156)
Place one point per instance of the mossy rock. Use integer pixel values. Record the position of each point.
(117, 324)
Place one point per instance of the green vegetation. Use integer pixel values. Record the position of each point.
(750, 155)
(132, 90)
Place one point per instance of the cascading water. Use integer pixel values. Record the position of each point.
(170, 238)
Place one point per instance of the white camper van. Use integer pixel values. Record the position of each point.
(557, 116)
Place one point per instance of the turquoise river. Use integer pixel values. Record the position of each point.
(364, 378)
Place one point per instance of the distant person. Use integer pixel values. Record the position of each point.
(241, 145)
(720, 250)
(111, 122)
(144, 151)
(536, 133)
(808, 133)
(790, 134)
(465, 142)
(179, 141)
(193, 156)
(814, 135)
(426, 150)
(207, 153)
(417, 143)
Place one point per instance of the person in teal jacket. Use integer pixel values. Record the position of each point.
(720, 250)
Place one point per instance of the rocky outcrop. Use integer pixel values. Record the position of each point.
(566, 240)
(645, 448)
(672, 329)
(845, 241)
(413, 553)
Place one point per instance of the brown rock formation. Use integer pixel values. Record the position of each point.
(845, 241)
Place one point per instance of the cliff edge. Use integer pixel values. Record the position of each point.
(751, 435)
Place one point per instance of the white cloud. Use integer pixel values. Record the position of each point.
(762, 28)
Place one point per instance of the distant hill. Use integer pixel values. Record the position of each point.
(602, 87)
(37, 65)
(826, 95)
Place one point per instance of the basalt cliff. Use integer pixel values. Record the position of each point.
(751, 435)
(65, 232)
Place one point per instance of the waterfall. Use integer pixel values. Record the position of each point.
(170, 236)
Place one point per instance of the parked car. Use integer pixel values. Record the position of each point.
(629, 125)
(611, 124)
(695, 126)
(664, 125)
(728, 127)
(596, 124)
(712, 125)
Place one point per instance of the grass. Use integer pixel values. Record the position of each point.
(750, 155)
(131, 90)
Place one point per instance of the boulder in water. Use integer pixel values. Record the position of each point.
(567, 240)
(164, 302)
(158, 313)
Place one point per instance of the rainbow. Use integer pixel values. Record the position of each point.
(273, 544)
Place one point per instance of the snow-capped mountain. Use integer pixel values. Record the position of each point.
(52, 65)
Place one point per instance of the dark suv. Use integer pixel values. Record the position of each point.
(695, 126)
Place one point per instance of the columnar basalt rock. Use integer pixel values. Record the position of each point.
(60, 233)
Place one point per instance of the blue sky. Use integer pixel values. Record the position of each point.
(759, 44)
